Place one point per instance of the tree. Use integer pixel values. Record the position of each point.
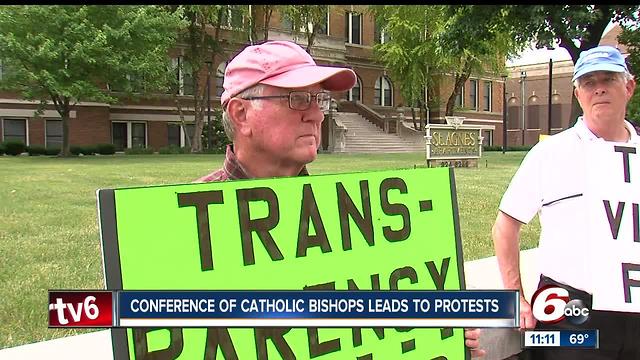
(200, 44)
(66, 54)
(410, 52)
(630, 36)
(574, 27)
(426, 41)
(475, 39)
(309, 18)
(267, 11)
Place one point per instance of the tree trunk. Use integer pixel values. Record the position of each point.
(66, 146)
(268, 10)
(182, 123)
(64, 109)
(461, 78)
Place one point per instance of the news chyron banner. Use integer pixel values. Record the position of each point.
(387, 230)
(613, 192)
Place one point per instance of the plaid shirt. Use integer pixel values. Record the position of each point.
(233, 170)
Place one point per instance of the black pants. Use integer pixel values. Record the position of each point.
(619, 332)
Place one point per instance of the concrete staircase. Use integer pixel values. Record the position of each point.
(364, 137)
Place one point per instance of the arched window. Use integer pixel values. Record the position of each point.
(383, 95)
(533, 112)
(556, 111)
(513, 113)
(220, 78)
(355, 93)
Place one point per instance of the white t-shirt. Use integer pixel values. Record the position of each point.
(550, 181)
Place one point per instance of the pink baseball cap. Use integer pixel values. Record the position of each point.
(283, 64)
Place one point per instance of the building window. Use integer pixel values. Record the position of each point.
(177, 135)
(383, 94)
(533, 113)
(128, 134)
(486, 97)
(487, 137)
(513, 114)
(556, 111)
(460, 98)
(184, 76)
(352, 28)
(220, 78)
(355, 92)
(232, 17)
(323, 29)
(138, 135)
(473, 94)
(53, 134)
(15, 130)
(380, 35)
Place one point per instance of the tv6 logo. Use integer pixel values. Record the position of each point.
(551, 304)
(80, 309)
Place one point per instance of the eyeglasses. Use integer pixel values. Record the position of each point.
(300, 100)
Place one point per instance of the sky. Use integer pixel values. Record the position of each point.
(536, 56)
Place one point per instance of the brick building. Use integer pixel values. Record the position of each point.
(528, 96)
(346, 40)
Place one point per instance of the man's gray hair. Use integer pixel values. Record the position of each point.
(226, 121)
(626, 76)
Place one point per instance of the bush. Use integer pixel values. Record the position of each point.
(174, 149)
(76, 150)
(138, 150)
(1, 149)
(52, 151)
(36, 150)
(105, 149)
(84, 150)
(14, 147)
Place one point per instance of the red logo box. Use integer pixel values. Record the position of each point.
(80, 309)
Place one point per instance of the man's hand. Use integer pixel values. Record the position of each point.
(472, 341)
(527, 321)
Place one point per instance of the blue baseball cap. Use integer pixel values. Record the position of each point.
(601, 58)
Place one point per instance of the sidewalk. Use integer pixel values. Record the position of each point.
(480, 274)
(485, 274)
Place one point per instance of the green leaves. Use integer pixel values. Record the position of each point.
(630, 37)
(72, 51)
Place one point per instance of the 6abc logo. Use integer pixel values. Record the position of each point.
(550, 304)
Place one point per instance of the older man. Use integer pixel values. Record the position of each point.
(550, 181)
(273, 103)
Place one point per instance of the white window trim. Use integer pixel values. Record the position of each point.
(350, 94)
(351, 27)
(328, 22)
(26, 128)
(490, 137)
(179, 63)
(490, 94)
(183, 134)
(228, 25)
(382, 89)
(45, 129)
(130, 133)
(462, 96)
(215, 79)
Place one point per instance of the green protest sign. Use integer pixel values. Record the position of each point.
(377, 230)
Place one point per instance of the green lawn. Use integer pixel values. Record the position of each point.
(49, 232)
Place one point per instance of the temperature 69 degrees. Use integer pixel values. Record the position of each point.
(551, 304)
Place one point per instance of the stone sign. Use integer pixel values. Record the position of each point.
(454, 144)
